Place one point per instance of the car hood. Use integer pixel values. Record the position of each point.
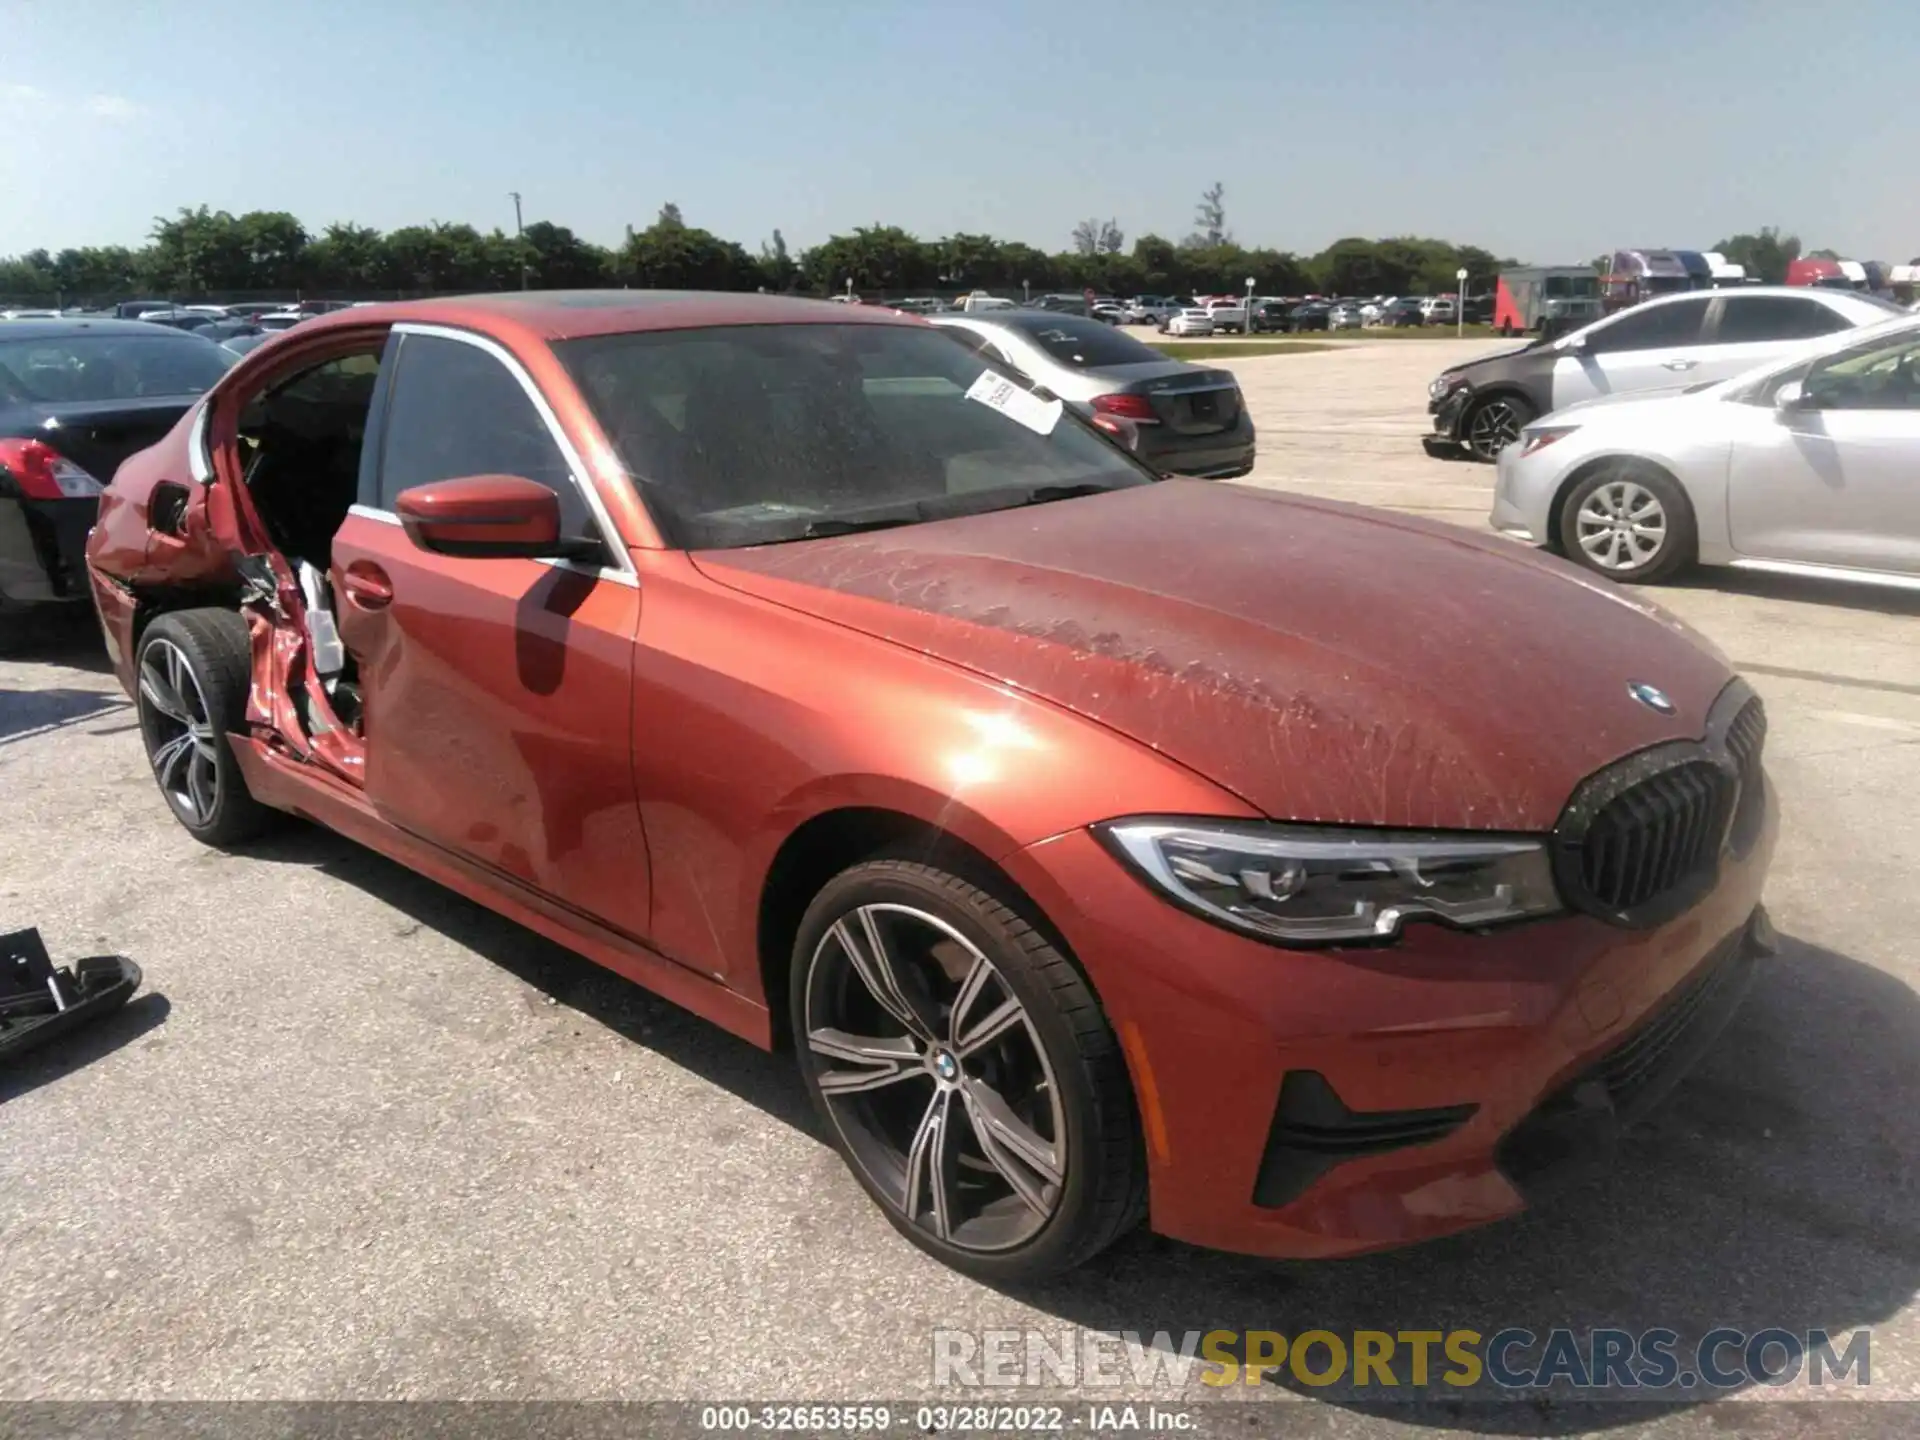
(1491, 357)
(1323, 662)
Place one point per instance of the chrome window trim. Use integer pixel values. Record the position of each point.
(622, 569)
(199, 458)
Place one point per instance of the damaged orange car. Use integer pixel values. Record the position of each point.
(1300, 878)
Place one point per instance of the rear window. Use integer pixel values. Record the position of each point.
(1086, 344)
(79, 368)
(1751, 319)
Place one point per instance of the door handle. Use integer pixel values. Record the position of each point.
(1679, 364)
(367, 586)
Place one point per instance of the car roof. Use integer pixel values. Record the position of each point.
(576, 314)
(68, 329)
(1798, 292)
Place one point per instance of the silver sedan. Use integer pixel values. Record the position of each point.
(1809, 465)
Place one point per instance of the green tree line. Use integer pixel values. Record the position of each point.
(202, 252)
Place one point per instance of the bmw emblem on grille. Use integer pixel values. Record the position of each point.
(1651, 697)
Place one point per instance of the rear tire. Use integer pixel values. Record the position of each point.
(907, 1090)
(194, 668)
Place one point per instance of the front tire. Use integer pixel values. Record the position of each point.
(966, 1073)
(1630, 522)
(1493, 424)
(193, 668)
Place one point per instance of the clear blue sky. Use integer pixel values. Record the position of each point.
(1547, 130)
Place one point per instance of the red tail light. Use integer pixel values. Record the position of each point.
(41, 472)
(1134, 407)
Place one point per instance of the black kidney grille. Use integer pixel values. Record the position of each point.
(1653, 837)
(1745, 739)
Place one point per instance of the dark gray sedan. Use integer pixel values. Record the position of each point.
(1190, 419)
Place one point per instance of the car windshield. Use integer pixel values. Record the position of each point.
(77, 368)
(1084, 344)
(749, 434)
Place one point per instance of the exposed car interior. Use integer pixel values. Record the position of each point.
(300, 445)
(300, 452)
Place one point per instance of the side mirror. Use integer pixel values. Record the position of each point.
(484, 516)
(1576, 341)
(1792, 396)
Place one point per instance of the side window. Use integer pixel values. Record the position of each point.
(1882, 376)
(1652, 327)
(1754, 319)
(454, 410)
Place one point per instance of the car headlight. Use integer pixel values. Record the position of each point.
(1536, 439)
(1443, 385)
(1301, 884)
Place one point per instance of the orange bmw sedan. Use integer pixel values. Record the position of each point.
(1299, 878)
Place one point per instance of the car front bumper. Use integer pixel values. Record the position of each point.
(1447, 413)
(43, 546)
(1523, 491)
(1319, 1103)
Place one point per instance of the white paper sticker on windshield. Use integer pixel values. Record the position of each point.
(997, 392)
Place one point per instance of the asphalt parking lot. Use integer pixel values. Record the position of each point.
(358, 1138)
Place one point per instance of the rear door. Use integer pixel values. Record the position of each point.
(1749, 330)
(1837, 484)
(496, 692)
(1649, 347)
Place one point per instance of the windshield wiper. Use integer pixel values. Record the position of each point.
(820, 529)
(1041, 494)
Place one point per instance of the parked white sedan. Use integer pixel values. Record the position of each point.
(1805, 466)
(1190, 322)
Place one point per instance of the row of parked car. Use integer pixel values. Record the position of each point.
(1767, 428)
(1190, 316)
(239, 326)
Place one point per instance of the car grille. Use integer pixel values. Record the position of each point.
(1633, 1072)
(1641, 841)
(1745, 739)
(1651, 837)
(1581, 1121)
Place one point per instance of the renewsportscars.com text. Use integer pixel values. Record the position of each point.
(1614, 1360)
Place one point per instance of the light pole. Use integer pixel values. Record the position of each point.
(1460, 304)
(1247, 329)
(520, 235)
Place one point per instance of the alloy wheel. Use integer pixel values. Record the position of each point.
(179, 732)
(935, 1077)
(1622, 526)
(1493, 426)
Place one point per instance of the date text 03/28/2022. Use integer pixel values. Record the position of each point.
(819, 1419)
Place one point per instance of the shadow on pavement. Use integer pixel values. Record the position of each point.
(66, 635)
(26, 713)
(1807, 591)
(1773, 1189)
(83, 1046)
(765, 1081)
